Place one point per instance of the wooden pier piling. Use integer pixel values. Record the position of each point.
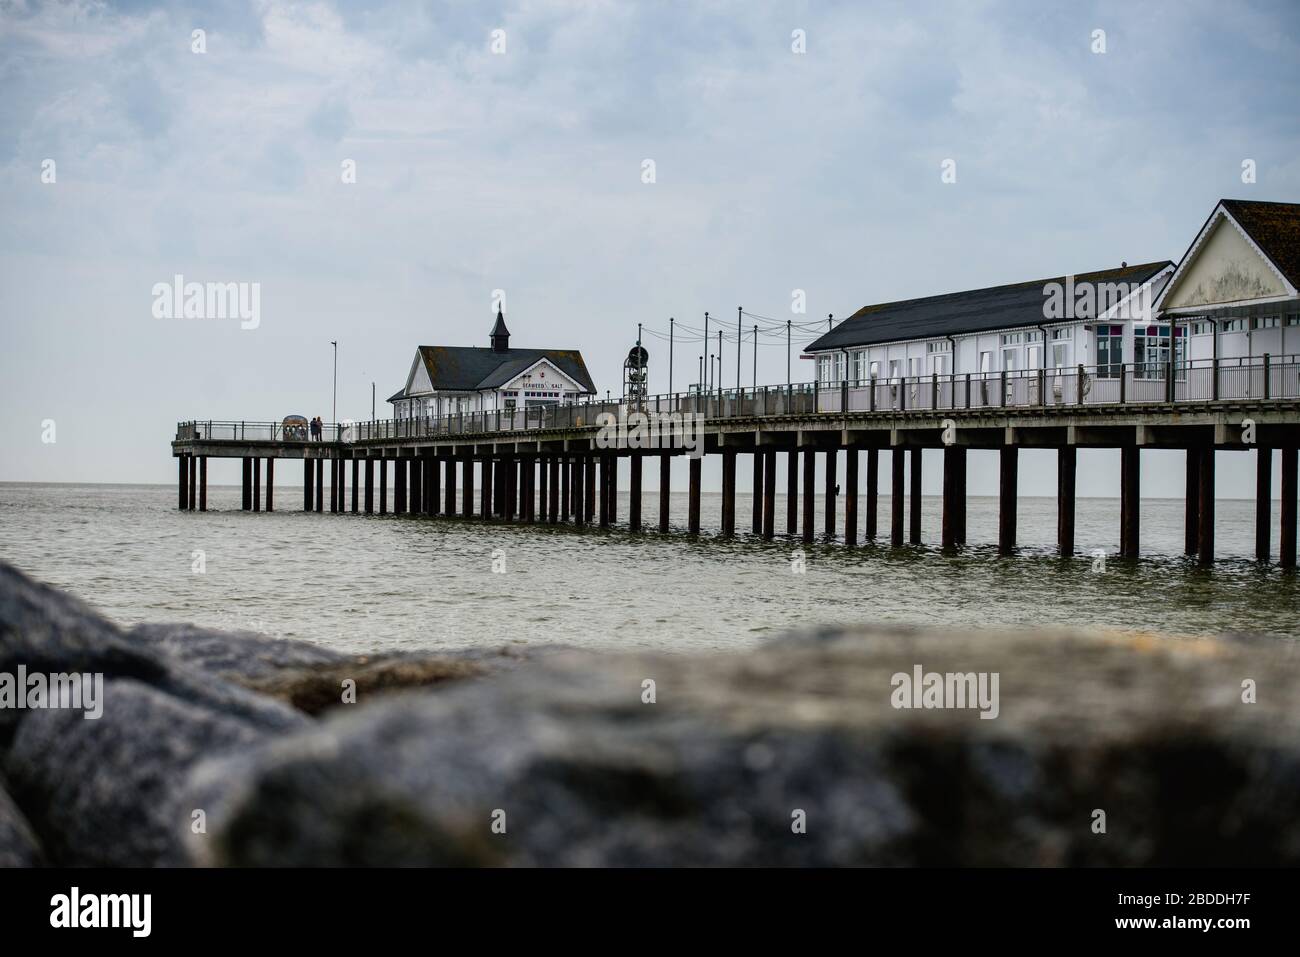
(553, 509)
(832, 460)
(1008, 489)
(370, 486)
(634, 492)
(320, 485)
(542, 464)
(193, 482)
(1205, 531)
(914, 498)
(203, 483)
(1067, 467)
(247, 486)
(1263, 503)
(873, 492)
(604, 490)
(728, 492)
(182, 481)
(1130, 479)
(1192, 503)
(382, 465)
(589, 494)
(792, 492)
(948, 532)
(851, 496)
(1287, 536)
(693, 508)
(665, 489)
(756, 521)
(769, 493)
(896, 489)
(809, 488)
(613, 488)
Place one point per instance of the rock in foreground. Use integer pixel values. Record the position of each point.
(1089, 750)
(737, 750)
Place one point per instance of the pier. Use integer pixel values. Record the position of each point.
(549, 464)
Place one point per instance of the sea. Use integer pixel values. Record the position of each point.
(365, 583)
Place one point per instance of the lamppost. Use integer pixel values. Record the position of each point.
(335, 411)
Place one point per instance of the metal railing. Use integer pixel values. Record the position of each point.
(1122, 384)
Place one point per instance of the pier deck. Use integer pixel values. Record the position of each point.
(541, 464)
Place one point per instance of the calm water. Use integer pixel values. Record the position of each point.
(368, 582)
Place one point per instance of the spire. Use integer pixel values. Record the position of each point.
(500, 334)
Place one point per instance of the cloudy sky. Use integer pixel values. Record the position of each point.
(522, 171)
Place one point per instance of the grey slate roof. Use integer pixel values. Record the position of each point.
(471, 368)
(1275, 228)
(957, 313)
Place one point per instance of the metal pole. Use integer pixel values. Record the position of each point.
(671, 325)
(335, 412)
(787, 353)
(709, 371)
(718, 377)
(756, 356)
(739, 336)
(372, 402)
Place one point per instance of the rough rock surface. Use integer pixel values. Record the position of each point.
(561, 748)
(310, 677)
(1153, 732)
(105, 791)
(18, 846)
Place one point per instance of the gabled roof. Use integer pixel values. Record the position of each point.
(1274, 228)
(959, 313)
(471, 368)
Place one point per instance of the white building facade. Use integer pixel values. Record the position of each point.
(1229, 303)
(450, 380)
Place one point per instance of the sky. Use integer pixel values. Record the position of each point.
(503, 146)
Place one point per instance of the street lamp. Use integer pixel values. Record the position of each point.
(335, 412)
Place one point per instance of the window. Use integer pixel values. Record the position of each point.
(895, 368)
(986, 362)
(1151, 351)
(824, 369)
(1110, 350)
(1060, 355)
(1200, 328)
(1059, 334)
(1267, 322)
(1009, 359)
(1234, 325)
(914, 367)
(1035, 357)
(942, 345)
(1293, 320)
(1013, 338)
(859, 365)
(839, 368)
